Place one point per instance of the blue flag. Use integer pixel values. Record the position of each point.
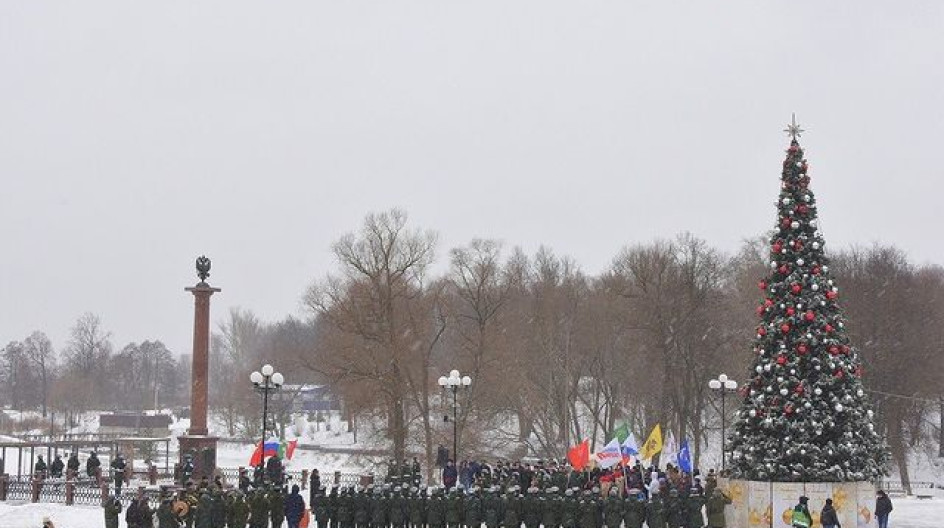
(685, 458)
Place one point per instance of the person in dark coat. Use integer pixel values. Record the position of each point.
(73, 464)
(883, 507)
(166, 518)
(259, 510)
(828, 517)
(112, 508)
(314, 486)
(133, 517)
(450, 475)
(55, 469)
(276, 507)
(92, 465)
(274, 470)
(294, 508)
(39, 469)
(118, 472)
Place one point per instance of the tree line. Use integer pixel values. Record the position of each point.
(556, 354)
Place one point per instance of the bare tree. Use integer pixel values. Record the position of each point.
(382, 273)
(38, 348)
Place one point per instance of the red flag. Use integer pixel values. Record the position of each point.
(256, 458)
(290, 449)
(579, 455)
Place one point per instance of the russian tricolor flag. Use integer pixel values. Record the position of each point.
(271, 448)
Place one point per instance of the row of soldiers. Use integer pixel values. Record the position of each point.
(402, 507)
(205, 508)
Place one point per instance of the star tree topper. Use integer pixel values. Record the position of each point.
(793, 129)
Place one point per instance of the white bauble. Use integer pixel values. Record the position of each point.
(815, 245)
(786, 201)
(806, 198)
(869, 413)
(808, 405)
(859, 393)
(783, 392)
(800, 262)
(839, 407)
(753, 413)
(825, 269)
(814, 287)
(767, 367)
(794, 224)
(812, 223)
(759, 369)
(818, 391)
(773, 263)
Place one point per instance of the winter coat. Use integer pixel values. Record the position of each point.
(512, 512)
(259, 511)
(294, 508)
(399, 511)
(240, 513)
(715, 509)
(693, 506)
(359, 507)
(613, 512)
(883, 506)
(454, 509)
(56, 468)
(166, 518)
(112, 510)
(655, 512)
(277, 509)
(634, 512)
(450, 475)
(92, 465)
(133, 515)
(491, 510)
(801, 517)
(218, 511)
(589, 513)
(472, 511)
(551, 513)
(204, 512)
(436, 512)
(531, 509)
(828, 516)
(416, 507)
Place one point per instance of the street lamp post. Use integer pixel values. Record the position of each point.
(453, 382)
(265, 382)
(723, 385)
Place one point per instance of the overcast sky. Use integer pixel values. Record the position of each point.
(135, 136)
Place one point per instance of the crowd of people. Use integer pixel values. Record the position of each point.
(472, 494)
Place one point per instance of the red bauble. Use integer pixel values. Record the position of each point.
(810, 315)
(785, 223)
(802, 349)
(802, 209)
(785, 328)
(760, 310)
(796, 289)
(784, 269)
(768, 303)
(788, 409)
(839, 373)
(793, 148)
(762, 285)
(781, 359)
(828, 327)
(790, 311)
(831, 294)
(799, 389)
(859, 371)
(798, 245)
(834, 350)
(777, 248)
(815, 270)
(762, 331)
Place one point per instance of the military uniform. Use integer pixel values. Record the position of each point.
(240, 511)
(436, 511)
(715, 508)
(259, 510)
(655, 512)
(589, 511)
(570, 510)
(416, 504)
(551, 509)
(398, 510)
(693, 505)
(359, 506)
(634, 511)
(531, 509)
(276, 507)
(166, 518)
(511, 507)
(491, 509)
(112, 510)
(454, 510)
(613, 511)
(675, 510)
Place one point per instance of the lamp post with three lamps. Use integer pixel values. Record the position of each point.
(724, 385)
(265, 382)
(453, 382)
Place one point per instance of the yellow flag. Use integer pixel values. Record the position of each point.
(653, 444)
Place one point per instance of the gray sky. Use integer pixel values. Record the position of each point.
(135, 136)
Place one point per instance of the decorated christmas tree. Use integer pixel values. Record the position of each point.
(804, 416)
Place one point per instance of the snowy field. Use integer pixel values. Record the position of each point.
(909, 513)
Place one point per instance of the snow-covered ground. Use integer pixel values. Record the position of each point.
(909, 513)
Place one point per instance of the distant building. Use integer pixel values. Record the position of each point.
(133, 423)
(311, 398)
